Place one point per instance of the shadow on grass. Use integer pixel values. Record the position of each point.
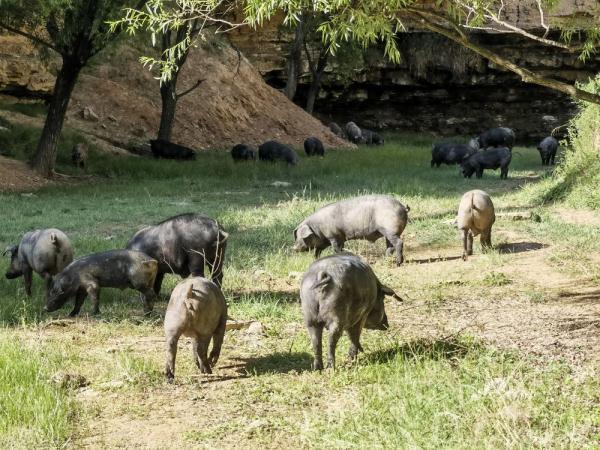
(519, 247)
(421, 349)
(279, 362)
(583, 296)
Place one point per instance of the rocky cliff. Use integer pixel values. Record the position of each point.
(439, 86)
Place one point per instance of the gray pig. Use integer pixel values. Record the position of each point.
(368, 217)
(354, 133)
(197, 309)
(341, 293)
(475, 216)
(547, 149)
(46, 252)
(116, 269)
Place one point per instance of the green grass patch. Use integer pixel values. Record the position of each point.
(34, 413)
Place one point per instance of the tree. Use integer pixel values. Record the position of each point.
(294, 61)
(168, 89)
(77, 31)
(317, 54)
(178, 25)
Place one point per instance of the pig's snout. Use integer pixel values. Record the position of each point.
(299, 247)
(12, 275)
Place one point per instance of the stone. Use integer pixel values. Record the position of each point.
(88, 114)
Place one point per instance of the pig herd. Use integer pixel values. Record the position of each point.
(340, 292)
(492, 149)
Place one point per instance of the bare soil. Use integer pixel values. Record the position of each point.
(17, 176)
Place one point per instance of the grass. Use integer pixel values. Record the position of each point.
(408, 390)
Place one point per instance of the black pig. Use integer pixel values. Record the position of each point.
(490, 159)
(276, 151)
(313, 146)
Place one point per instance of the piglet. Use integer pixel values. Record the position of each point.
(475, 216)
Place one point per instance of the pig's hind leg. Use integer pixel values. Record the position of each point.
(354, 336)
(93, 291)
(316, 337)
(397, 244)
(200, 352)
(335, 332)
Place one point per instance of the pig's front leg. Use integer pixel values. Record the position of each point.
(27, 273)
(79, 298)
(338, 246)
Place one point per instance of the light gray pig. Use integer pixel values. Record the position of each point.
(368, 217)
(341, 293)
(475, 216)
(46, 252)
(197, 309)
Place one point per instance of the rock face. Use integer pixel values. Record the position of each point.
(440, 86)
(22, 73)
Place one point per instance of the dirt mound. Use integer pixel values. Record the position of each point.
(17, 176)
(232, 105)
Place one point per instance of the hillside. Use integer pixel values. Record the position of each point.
(232, 105)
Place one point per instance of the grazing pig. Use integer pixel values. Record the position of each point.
(46, 252)
(547, 149)
(182, 245)
(276, 151)
(243, 152)
(115, 269)
(368, 217)
(341, 293)
(490, 159)
(496, 137)
(337, 130)
(168, 150)
(370, 137)
(450, 153)
(313, 146)
(353, 132)
(475, 216)
(79, 155)
(197, 309)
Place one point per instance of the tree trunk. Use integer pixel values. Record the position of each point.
(315, 85)
(44, 160)
(169, 99)
(294, 63)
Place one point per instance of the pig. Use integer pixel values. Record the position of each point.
(79, 155)
(547, 149)
(337, 130)
(197, 309)
(490, 159)
(243, 152)
(353, 132)
(370, 137)
(450, 153)
(341, 293)
(367, 217)
(168, 150)
(182, 245)
(475, 216)
(496, 137)
(313, 146)
(115, 269)
(276, 151)
(46, 252)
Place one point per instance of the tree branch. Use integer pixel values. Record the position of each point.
(31, 37)
(193, 88)
(526, 75)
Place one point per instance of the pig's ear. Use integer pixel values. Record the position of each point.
(303, 231)
(389, 291)
(10, 250)
(190, 291)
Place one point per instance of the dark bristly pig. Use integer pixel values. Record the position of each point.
(450, 153)
(182, 245)
(341, 293)
(113, 269)
(547, 149)
(371, 137)
(276, 151)
(46, 252)
(367, 217)
(496, 137)
(475, 216)
(79, 155)
(169, 150)
(197, 309)
(337, 130)
(243, 152)
(490, 159)
(313, 147)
